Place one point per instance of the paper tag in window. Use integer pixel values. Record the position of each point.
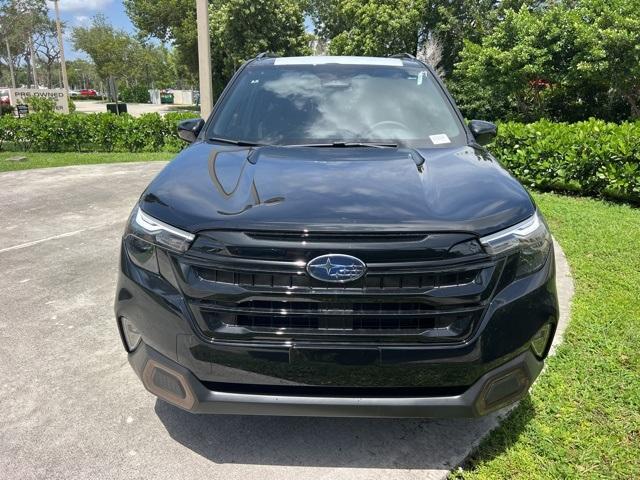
(420, 75)
(439, 139)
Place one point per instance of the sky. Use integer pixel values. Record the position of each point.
(79, 12)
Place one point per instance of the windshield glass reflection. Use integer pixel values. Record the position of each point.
(337, 103)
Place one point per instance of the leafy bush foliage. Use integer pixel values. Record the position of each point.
(567, 60)
(136, 94)
(592, 158)
(40, 104)
(100, 132)
(6, 109)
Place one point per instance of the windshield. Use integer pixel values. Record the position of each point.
(329, 103)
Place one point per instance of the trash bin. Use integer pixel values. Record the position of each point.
(117, 108)
(166, 97)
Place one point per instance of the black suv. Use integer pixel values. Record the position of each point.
(336, 241)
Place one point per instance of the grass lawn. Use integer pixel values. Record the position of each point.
(582, 419)
(40, 160)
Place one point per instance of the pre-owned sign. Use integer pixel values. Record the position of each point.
(18, 96)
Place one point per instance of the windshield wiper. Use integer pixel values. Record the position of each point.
(240, 143)
(346, 145)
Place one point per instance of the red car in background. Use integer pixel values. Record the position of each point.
(88, 92)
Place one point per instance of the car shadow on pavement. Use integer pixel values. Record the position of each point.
(332, 442)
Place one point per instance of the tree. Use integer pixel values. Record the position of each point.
(48, 50)
(108, 48)
(607, 47)
(149, 65)
(454, 21)
(117, 54)
(20, 20)
(384, 27)
(430, 52)
(240, 29)
(10, 43)
(82, 74)
(374, 27)
(168, 20)
(572, 60)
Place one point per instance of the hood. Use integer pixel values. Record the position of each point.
(295, 188)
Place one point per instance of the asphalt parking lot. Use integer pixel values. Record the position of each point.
(73, 408)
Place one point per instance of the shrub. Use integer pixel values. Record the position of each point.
(592, 158)
(99, 132)
(6, 109)
(136, 94)
(8, 129)
(40, 104)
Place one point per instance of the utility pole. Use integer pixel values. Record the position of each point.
(10, 61)
(204, 58)
(63, 64)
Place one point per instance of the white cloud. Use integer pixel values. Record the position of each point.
(82, 5)
(81, 20)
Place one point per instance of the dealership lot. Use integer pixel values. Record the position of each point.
(73, 408)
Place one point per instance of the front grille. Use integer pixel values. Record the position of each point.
(268, 296)
(358, 317)
(371, 281)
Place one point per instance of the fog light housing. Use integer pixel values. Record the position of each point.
(541, 340)
(132, 336)
(168, 384)
(503, 390)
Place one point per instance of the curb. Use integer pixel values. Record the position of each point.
(566, 290)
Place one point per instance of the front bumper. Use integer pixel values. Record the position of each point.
(493, 368)
(177, 385)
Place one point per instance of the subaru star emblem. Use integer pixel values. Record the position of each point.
(336, 268)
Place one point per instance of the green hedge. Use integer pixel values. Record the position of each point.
(592, 158)
(99, 132)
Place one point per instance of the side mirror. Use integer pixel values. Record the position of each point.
(483, 132)
(188, 130)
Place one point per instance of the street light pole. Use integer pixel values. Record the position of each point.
(204, 58)
(63, 64)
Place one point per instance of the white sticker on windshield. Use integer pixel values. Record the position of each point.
(439, 139)
(420, 75)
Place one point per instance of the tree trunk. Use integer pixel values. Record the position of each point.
(633, 105)
(10, 62)
(33, 61)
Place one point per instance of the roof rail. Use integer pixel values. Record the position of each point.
(266, 55)
(403, 55)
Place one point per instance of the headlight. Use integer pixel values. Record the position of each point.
(531, 239)
(144, 233)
